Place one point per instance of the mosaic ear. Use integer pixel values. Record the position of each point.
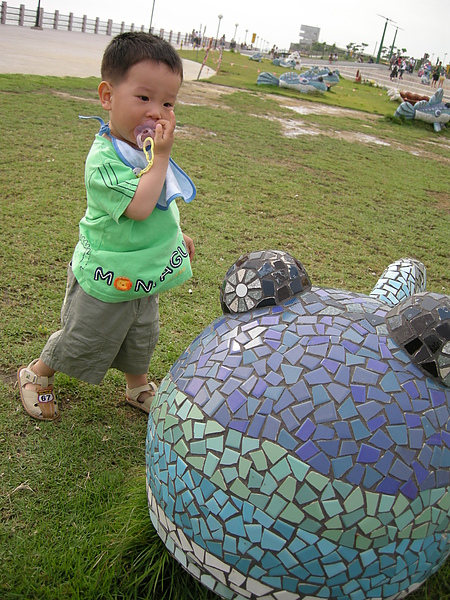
(421, 325)
(264, 278)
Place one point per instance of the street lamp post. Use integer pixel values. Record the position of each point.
(235, 31)
(38, 16)
(151, 18)
(218, 27)
(245, 39)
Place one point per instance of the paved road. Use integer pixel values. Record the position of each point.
(61, 53)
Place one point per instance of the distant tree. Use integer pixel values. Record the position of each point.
(385, 52)
(318, 47)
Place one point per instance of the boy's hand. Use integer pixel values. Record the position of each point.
(189, 245)
(164, 135)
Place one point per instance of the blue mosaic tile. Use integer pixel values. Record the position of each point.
(301, 447)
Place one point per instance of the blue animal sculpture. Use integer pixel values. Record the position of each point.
(294, 81)
(434, 111)
(331, 78)
(281, 62)
(300, 447)
(256, 56)
(293, 61)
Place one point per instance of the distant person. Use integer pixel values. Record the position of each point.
(441, 77)
(435, 74)
(130, 245)
(394, 72)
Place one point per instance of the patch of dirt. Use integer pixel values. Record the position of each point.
(314, 108)
(72, 97)
(8, 378)
(442, 200)
(197, 93)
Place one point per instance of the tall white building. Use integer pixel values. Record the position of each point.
(308, 35)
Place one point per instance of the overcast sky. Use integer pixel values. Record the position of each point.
(422, 26)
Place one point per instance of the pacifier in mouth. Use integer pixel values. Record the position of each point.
(143, 132)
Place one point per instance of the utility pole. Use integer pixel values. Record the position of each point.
(392, 47)
(382, 37)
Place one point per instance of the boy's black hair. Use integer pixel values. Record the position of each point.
(127, 49)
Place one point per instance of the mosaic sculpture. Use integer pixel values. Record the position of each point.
(331, 78)
(299, 448)
(294, 81)
(283, 62)
(435, 111)
(288, 63)
(293, 61)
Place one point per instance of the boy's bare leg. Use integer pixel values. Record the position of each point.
(41, 370)
(135, 381)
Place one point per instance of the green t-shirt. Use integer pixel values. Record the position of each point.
(118, 259)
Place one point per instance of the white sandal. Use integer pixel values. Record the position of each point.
(134, 393)
(41, 403)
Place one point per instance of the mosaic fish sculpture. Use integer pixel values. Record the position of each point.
(331, 78)
(293, 61)
(435, 111)
(294, 81)
(300, 447)
(288, 63)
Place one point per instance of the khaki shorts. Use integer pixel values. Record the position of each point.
(96, 335)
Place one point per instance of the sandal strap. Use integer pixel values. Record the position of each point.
(134, 393)
(40, 380)
(46, 401)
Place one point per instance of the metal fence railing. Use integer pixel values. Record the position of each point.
(22, 16)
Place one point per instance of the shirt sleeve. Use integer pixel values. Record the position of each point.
(110, 185)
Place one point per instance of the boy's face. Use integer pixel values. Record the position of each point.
(148, 93)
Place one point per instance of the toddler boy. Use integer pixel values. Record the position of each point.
(130, 246)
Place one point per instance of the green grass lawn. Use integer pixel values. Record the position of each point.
(354, 193)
